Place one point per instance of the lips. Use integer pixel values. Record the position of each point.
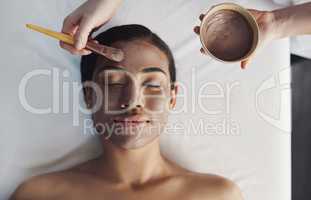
(132, 120)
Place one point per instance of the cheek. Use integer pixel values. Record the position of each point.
(111, 97)
(157, 105)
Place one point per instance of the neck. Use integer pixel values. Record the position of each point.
(132, 166)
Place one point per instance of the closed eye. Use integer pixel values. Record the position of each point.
(152, 85)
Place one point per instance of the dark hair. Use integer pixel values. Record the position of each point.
(126, 33)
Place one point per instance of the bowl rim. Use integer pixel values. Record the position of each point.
(246, 14)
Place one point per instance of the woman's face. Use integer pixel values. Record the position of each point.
(141, 81)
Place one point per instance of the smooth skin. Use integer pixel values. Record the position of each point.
(276, 24)
(132, 166)
(87, 18)
(143, 173)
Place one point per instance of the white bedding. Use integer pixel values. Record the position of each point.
(253, 104)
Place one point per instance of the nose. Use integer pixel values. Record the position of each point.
(133, 97)
(134, 110)
(127, 105)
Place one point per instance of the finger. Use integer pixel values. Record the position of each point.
(202, 51)
(83, 33)
(196, 29)
(244, 63)
(254, 12)
(69, 27)
(201, 17)
(96, 29)
(70, 24)
(73, 50)
(95, 41)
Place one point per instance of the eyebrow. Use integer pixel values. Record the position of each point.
(153, 69)
(145, 70)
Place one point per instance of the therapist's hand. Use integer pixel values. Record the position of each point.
(88, 17)
(267, 29)
(280, 23)
(266, 23)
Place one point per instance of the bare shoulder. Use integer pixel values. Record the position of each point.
(205, 186)
(46, 186)
(51, 185)
(214, 186)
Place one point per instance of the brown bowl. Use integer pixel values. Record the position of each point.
(229, 33)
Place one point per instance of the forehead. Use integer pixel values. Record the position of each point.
(139, 54)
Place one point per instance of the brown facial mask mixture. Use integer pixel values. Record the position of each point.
(227, 35)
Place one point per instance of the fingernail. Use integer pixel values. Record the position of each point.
(87, 53)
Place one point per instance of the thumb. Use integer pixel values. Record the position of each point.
(82, 35)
